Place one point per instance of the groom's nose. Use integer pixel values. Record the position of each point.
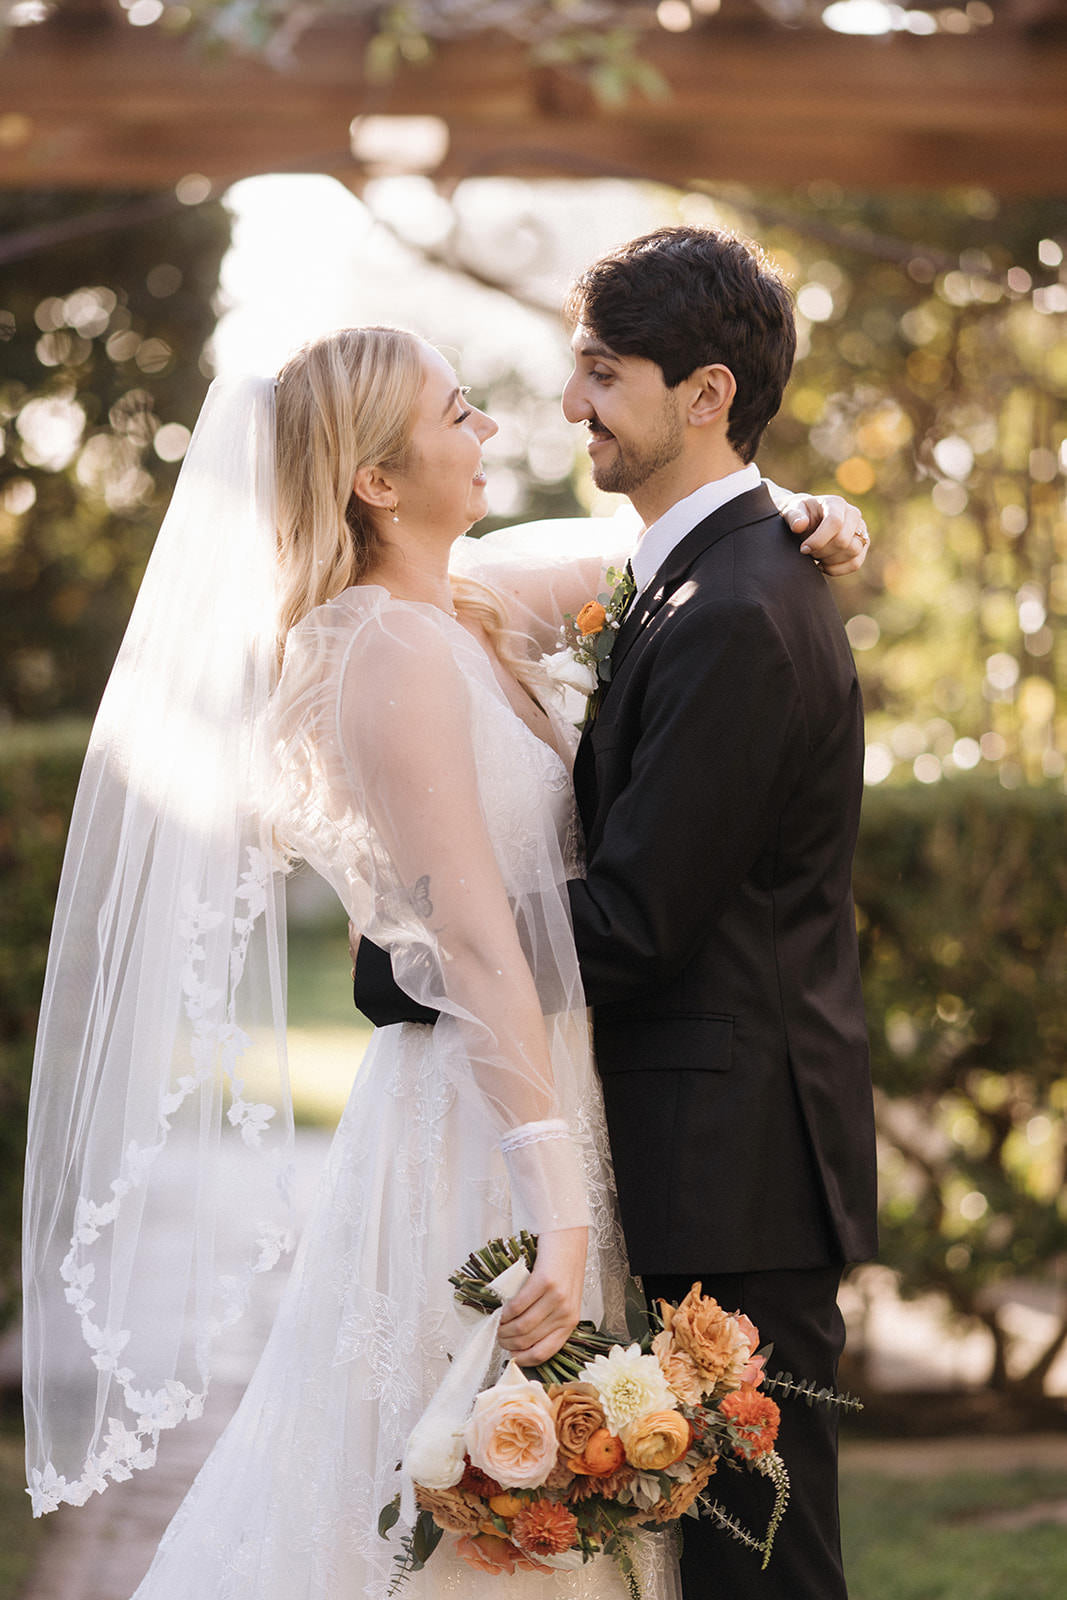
(576, 407)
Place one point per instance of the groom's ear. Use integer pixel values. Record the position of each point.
(710, 392)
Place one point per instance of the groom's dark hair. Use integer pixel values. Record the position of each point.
(693, 297)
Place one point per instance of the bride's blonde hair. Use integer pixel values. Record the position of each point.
(343, 402)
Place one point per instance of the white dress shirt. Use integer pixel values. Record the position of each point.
(657, 541)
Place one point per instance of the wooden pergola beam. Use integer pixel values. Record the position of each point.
(90, 101)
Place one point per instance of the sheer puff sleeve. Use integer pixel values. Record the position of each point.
(407, 791)
(546, 570)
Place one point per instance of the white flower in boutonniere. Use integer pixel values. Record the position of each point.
(583, 664)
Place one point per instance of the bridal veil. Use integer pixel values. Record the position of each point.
(162, 1026)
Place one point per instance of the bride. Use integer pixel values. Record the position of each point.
(410, 751)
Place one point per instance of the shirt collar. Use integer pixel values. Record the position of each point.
(657, 541)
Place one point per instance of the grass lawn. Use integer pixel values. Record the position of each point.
(327, 1035)
(19, 1533)
(922, 1538)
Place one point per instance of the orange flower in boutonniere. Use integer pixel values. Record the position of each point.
(583, 663)
(591, 618)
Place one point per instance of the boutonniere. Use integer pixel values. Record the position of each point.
(582, 665)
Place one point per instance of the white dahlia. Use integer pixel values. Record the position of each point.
(629, 1384)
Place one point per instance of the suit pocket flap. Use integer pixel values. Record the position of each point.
(664, 1044)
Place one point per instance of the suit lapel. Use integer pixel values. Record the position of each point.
(755, 505)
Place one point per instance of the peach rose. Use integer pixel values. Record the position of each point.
(657, 1441)
(678, 1369)
(716, 1343)
(578, 1415)
(753, 1372)
(591, 618)
(511, 1433)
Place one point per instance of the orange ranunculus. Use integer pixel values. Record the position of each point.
(756, 1418)
(505, 1505)
(591, 618)
(604, 1454)
(545, 1528)
(657, 1440)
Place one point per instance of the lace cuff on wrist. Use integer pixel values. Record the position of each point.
(546, 1177)
(534, 1133)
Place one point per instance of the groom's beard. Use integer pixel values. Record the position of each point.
(626, 468)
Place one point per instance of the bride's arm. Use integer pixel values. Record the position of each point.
(544, 571)
(547, 570)
(441, 905)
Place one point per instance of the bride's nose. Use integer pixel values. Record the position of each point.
(485, 425)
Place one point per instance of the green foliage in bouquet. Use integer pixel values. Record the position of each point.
(471, 1285)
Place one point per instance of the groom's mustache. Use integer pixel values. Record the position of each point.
(598, 430)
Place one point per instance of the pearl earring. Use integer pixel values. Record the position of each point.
(393, 508)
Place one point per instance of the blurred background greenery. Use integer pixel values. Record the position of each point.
(930, 388)
(909, 183)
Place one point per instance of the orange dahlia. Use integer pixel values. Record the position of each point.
(755, 1416)
(545, 1528)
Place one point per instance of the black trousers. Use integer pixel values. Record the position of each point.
(797, 1312)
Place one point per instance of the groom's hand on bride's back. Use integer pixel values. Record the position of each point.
(836, 534)
(375, 990)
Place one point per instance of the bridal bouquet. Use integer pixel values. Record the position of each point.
(554, 1466)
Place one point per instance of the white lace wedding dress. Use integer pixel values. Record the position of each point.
(394, 729)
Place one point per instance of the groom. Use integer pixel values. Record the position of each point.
(719, 787)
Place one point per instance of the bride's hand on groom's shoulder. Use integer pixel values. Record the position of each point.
(545, 1312)
(837, 536)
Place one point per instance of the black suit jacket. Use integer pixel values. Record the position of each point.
(719, 788)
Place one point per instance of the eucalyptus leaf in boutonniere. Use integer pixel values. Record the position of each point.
(582, 665)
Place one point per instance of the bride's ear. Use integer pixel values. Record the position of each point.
(374, 488)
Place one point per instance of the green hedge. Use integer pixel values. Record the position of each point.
(961, 889)
(961, 892)
(39, 768)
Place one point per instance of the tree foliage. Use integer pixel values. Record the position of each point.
(102, 337)
(931, 388)
(960, 893)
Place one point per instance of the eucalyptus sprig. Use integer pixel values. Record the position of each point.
(784, 1383)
